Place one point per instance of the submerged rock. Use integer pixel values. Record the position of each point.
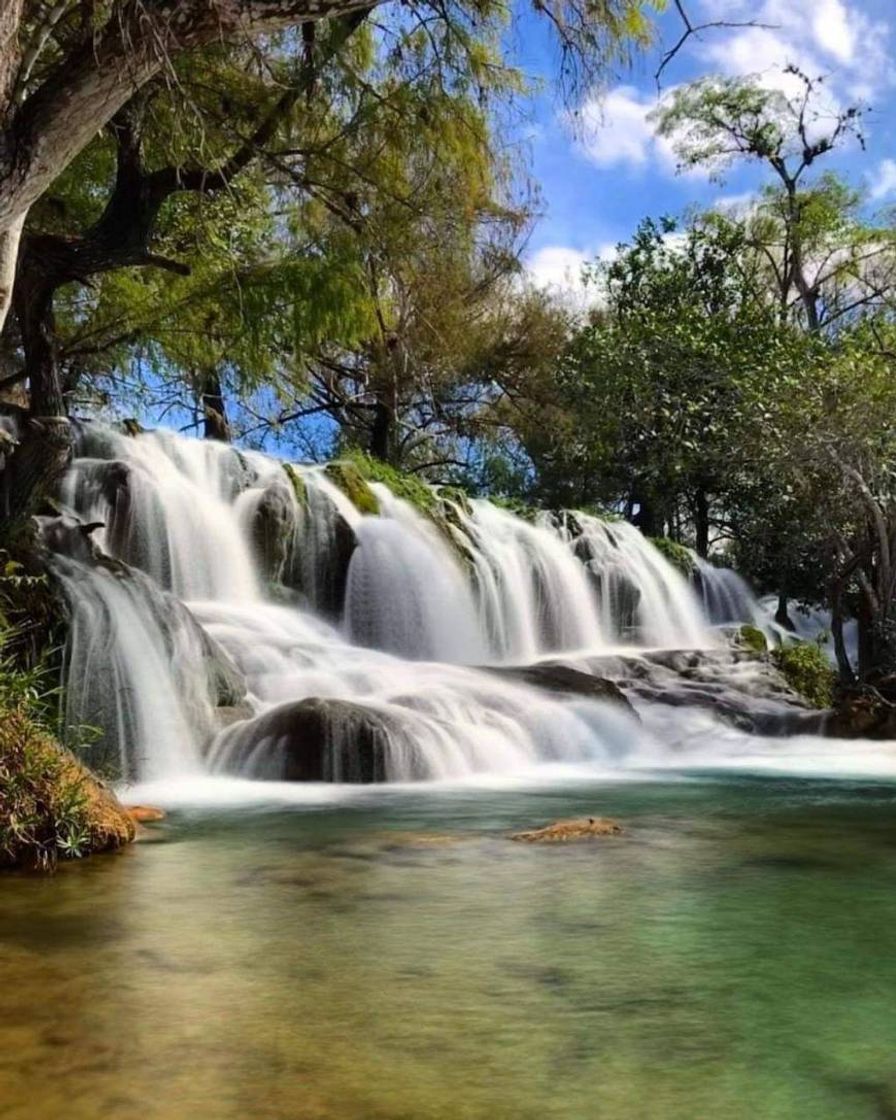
(144, 814)
(315, 740)
(561, 832)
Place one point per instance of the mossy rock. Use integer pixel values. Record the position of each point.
(808, 672)
(677, 555)
(345, 475)
(405, 486)
(751, 638)
(298, 484)
(51, 806)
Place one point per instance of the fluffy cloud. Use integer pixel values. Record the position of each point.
(818, 36)
(882, 181)
(558, 268)
(615, 131)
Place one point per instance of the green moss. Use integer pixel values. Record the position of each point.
(345, 475)
(752, 638)
(297, 483)
(516, 507)
(678, 556)
(405, 486)
(807, 671)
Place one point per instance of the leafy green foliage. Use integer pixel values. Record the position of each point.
(807, 671)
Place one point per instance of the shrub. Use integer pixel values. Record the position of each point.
(807, 671)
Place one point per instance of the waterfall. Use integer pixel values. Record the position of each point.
(727, 597)
(241, 615)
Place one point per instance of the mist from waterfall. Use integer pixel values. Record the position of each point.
(382, 618)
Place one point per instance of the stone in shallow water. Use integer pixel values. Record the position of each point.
(143, 814)
(560, 832)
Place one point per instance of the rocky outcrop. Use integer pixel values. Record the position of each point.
(862, 715)
(562, 832)
(51, 806)
(315, 740)
(273, 529)
(565, 680)
(741, 687)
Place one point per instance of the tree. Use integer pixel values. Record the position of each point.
(824, 262)
(69, 71)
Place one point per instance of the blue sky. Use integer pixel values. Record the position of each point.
(598, 180)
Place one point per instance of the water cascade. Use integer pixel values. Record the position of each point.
(235, 614)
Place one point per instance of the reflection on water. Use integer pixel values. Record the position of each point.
(396, 958)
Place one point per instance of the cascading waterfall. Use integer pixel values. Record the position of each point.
(355, 636)
(727, 597)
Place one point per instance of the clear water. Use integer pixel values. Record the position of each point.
(393, 956)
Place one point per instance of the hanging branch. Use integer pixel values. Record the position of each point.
(690, 29)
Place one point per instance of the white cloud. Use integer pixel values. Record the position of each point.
(833, 37)
(616, 131)
(882, 181)
(835, 29)
(558, 268)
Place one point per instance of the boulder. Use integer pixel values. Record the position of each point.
(558, 678)
(314, 740)
(561, 832)
(274, 527)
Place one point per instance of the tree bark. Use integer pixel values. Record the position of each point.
(847, 674)
(781, 616)
(381, 432)
(701, 523)
(214, 410)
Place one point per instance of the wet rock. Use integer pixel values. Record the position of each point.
(273, 528)
(145, 814)
(228, 715)
(558, 678)
(315, 740)
(561, 832)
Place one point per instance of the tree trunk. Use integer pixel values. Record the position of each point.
(847, 675)
(646, 517)
(45, 442)
(781, 616)
(214, 410)
(32, 472)
(701, 523)
(9, 253)
(381, 433)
